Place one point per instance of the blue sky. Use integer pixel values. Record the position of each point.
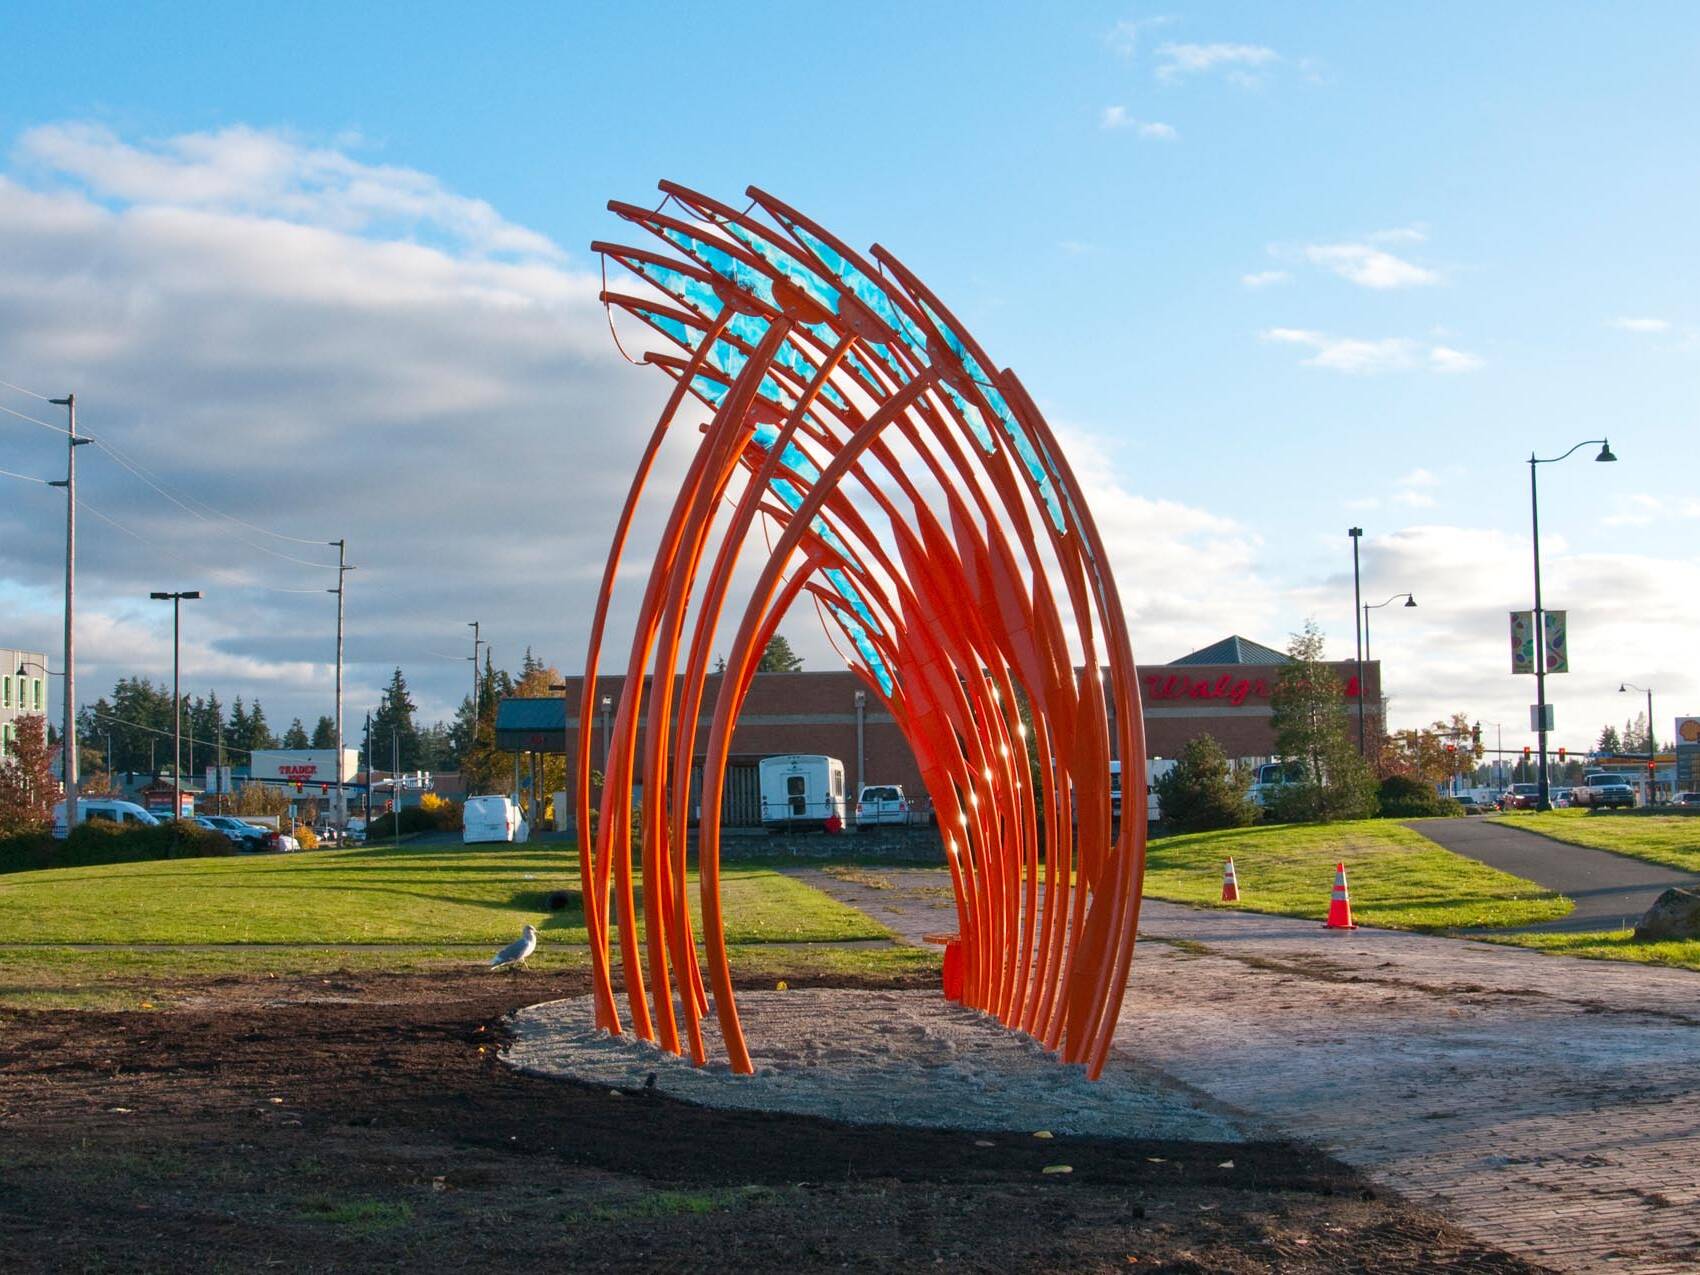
(1275, 271)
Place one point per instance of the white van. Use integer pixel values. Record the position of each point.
(1155, 769)
(801, 790)
(108, 809)
(494, 818)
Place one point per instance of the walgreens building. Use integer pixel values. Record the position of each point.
(1222, 690)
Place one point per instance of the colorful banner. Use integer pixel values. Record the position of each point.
(1522, 641)
(1557, 642)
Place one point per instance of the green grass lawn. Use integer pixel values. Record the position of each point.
(1669, 839)
(426, 896)
(1398, 877)
(1611, 945)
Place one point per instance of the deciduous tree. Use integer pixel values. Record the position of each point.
(27, 786)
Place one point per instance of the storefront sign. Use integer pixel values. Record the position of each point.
(1231, 687)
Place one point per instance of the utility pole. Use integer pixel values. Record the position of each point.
(342, 569)
(368, 773)
(1356, 533)
(395, 789)
(68, 734)
(476, 643)
(176, 600)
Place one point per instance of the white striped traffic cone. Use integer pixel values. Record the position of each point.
(1230, 884)
(1339, 903)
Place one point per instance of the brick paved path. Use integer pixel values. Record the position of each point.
(1551, 1105)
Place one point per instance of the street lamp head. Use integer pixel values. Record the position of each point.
(192, 593)
(162, 597)
(1605, 452)
(1354, 532)
(1622, 688)
(1410, 600)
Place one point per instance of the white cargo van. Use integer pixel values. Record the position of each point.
(802, 790)
(1155, 769)
(101, 808)
(492, 819)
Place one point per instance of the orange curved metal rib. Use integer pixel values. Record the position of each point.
(923, 504)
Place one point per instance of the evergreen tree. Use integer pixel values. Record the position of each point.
(1609, 742)
(236, 734)
(392, 726)
(778, 657)
(296, 735)
(483, 768)
(259, 733)
(1310, 719)
(324, 733)
(1202, 791)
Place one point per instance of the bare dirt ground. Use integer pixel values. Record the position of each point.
(363, 1122)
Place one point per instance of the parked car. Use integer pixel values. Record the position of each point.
(248, 836)
(281, 842)
(1521, 797)
(1472, 804)
(355, 831)
(1561, 797)
(1602, 789)
(881, 803)
(1686, 799)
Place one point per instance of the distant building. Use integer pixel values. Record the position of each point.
(23, 691)
(1222, 689)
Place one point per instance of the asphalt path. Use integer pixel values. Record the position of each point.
(1611, 891)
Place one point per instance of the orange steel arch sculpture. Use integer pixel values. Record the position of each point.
(920, 501)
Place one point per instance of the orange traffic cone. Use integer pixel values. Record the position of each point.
(1339, 903)
(1230, 884)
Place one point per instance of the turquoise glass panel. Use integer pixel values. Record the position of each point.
(811, 283)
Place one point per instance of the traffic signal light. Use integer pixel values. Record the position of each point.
(1525, 752)
(1561, 753)
(1452, 748)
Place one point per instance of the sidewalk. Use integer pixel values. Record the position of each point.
(1550, 1105)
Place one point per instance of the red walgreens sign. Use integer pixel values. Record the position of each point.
(1235, 690)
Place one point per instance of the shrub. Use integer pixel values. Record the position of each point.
(1201, 792)
(445, 814)
(305, 837)
(99, 841)
(1406, 797)
(413, 819)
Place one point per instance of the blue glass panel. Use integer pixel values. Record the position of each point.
(971, 414)
(685, 334)
(867, 291)
(693, 292)
(853, 596)
(712, 390)
(870, 654)
(722, 263)
(810, 282)
(793, 457)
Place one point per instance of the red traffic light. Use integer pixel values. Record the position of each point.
(1525, 752)
(1452, 748)
(1561, 754)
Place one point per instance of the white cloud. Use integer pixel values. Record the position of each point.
(1442, 358)
(1360, 356)
(272, 353)
(1637, 509)
(1399, 234)
(245, 170)
(1117, 117)
(1414, 499)
(1196, 59)
(1124, 37)
(1627, 324)
(1076, 247)
(1369, 267)
(1265, 278)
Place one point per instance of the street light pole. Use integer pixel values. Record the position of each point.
(1376, 606)
(476, 643)
(176, 600)
(1652, 746)
(1356, 533)
(342, 570)
(68, 732)
(1544, 800)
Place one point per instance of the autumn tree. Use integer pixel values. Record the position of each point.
(27, 786)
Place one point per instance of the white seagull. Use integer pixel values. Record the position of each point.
(515, 953)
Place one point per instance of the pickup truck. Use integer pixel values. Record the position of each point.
(1601, 790)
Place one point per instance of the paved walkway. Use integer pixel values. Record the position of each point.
(1611, 890)
(1550, 1105)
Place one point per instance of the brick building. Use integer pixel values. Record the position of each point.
(1222, 689)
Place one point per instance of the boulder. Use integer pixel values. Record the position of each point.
(1675, 914)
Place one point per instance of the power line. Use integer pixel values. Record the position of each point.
(141, 474)
(28, 478)
(231, 576)
(57, 429)
(147, 476)
(20, 389)
(154, 730)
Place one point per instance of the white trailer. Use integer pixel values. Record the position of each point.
(802, 790)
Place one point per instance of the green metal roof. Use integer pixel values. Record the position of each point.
(1235, 650)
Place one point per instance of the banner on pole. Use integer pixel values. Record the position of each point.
(1557, 642)
(1522, 641)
